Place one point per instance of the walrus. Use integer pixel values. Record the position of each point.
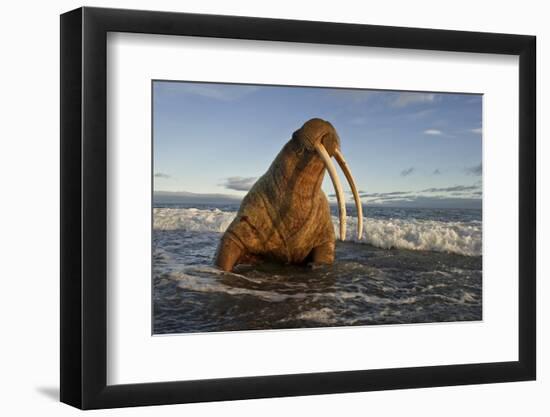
(285, 216)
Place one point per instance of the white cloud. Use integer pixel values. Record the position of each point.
(407, 172)
(239, 183)
(453, 188)
(475, 170)
(356, 95)
(161, 175)
(452, 196)
(358, 121)
(404, 99)
(420, 114)
(221, 92)
(476, 130)
(433, 132)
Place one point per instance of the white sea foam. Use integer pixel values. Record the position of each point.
(192, 219)
(204, 279)
(462, 238)
(323, 315)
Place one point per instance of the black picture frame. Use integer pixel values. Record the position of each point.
(84, 207)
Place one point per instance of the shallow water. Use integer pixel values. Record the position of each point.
(367, 285)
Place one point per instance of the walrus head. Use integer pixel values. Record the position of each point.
(320, 137)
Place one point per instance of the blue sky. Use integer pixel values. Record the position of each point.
(404, 148)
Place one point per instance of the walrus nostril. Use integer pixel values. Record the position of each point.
(337, 187)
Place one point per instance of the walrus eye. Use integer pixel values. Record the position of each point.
(338, 188)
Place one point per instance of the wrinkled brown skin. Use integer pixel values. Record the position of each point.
(285, 217)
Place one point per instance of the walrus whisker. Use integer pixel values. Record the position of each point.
(337, 187)
(347, 172)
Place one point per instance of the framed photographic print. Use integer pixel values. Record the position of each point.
(258, 207)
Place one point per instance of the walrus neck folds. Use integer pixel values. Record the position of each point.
(300, 173)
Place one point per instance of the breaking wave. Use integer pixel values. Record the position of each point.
(463, 238)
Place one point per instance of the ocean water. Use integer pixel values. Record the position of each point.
(412, 266)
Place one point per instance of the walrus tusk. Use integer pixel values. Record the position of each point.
(345, 168)
(337, 187)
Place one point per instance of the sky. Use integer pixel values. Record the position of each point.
(409, 149)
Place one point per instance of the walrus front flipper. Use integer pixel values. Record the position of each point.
(229, 253)
(323, 254)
